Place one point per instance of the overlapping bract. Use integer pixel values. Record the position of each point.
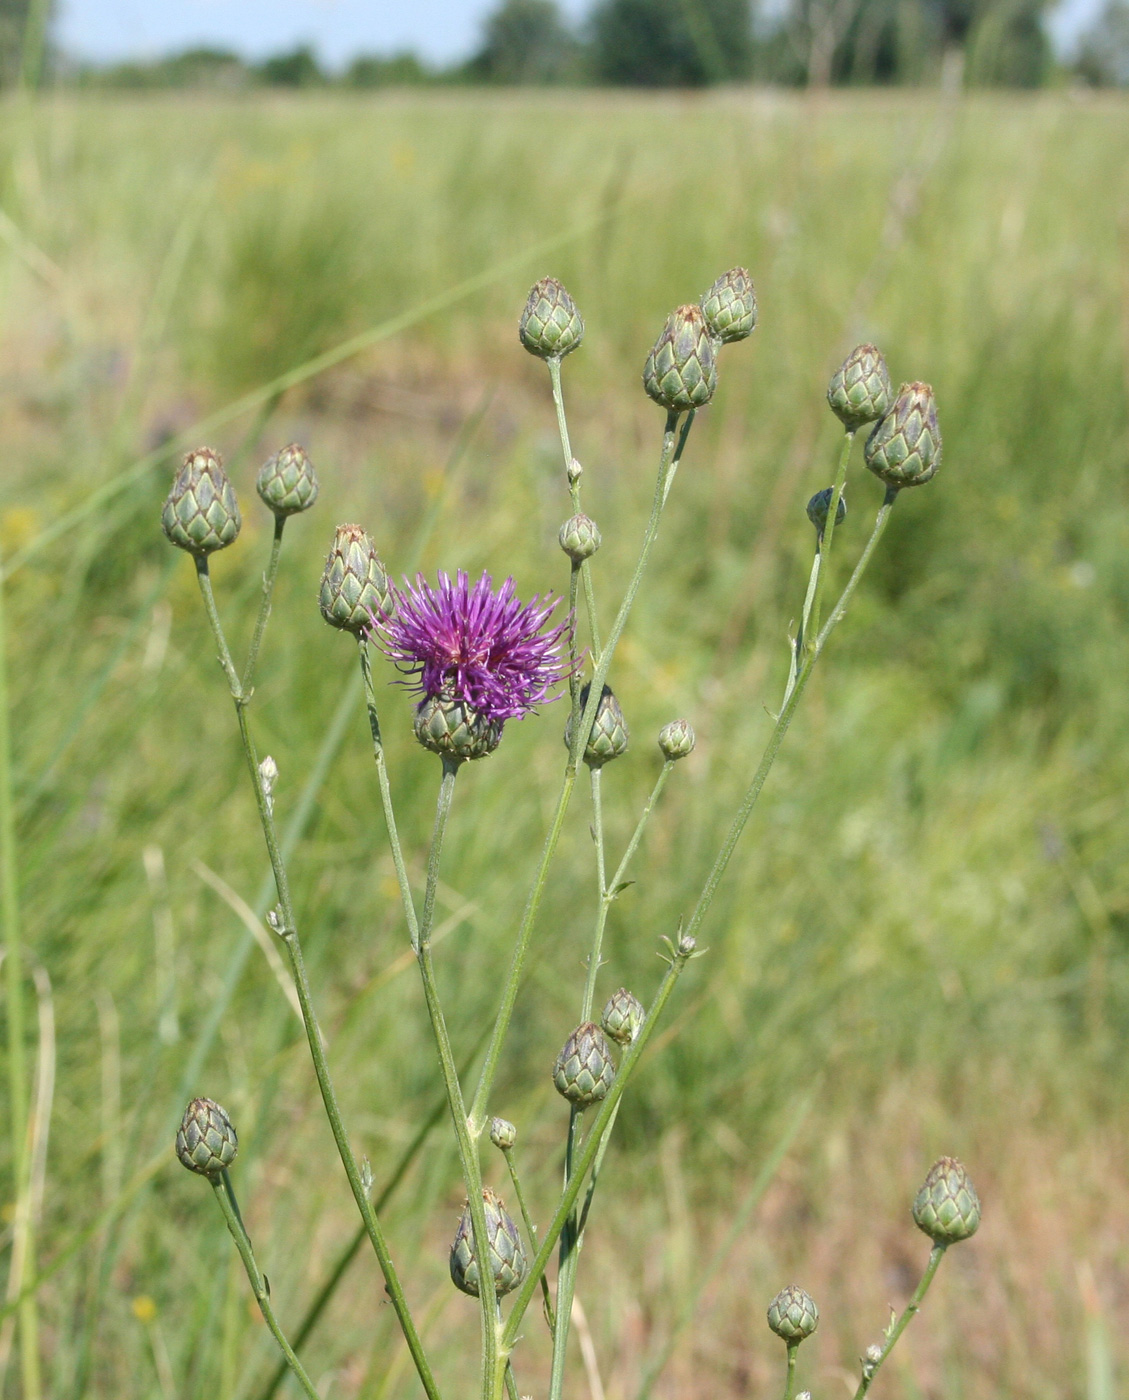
(947, 1207)
(201, 513)
(584, 1070)
(681, 370)
(860, 389)
(287, 482)
(609, 735)
(730, 306)
(508, 1262)
(206, 1140)
(905, 447)
(792, 1314)
(550, 325)
(354, 585)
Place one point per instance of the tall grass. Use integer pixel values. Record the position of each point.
(935, 945)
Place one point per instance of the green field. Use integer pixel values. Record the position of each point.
(926, 929)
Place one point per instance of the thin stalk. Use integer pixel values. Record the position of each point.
(264, 606)
(467, 1145)
(784, 719)
(530, 1229)
(286, 928)
(226, 1198)
(573, 479)
(672, 448)
(566, 1264)
(790, 1380)
(802, 631)
(613, 891)
(871, 1369)
(591, 1146)
(829, 528)
(597, 1167)
(17, 1060)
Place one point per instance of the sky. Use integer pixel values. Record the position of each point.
(439, 30)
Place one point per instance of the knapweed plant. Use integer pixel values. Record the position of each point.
(478, 658)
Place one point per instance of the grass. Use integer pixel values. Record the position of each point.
(926, 927)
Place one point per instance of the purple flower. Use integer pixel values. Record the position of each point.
(466, 643)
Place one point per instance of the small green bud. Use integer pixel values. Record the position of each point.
(503, 1134)
(793, 1315)
(622, 1016)
(579, 538)
(206, 1141)
(452, 729)
(860, 390)
(681, 370)
(201, 513)
(550, 326)
(287, 482)
(354, 585)
(730, 306)
(820, 504)
(609, 736)
(905, 447)
(947, 1207)
(677, 740)
(584, 1070)
(508, 1262)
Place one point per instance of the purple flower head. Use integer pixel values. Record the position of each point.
(469, 643)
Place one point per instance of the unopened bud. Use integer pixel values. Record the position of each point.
(947, 1207)
(793, 1315)
(687, 944)
(575, 472)
(579, 538)
(905, 447)
(550, 325)
(609, 735)
(452, 729)
(860, 390)
(201, 513)
(820, 504)
(206, 1142)
(730, 306)
(287, 482)
(268, 776)
(584, 1070)
(622, 1016)
(508, 1262)
(676, 740)
(681, 370)
(503, 1134)
(354, 585)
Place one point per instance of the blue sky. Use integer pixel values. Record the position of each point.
(441, 30)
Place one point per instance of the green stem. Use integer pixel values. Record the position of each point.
(573, 478)
(876, 534)
(790, 1381)
(588, 1152)
(264, 606)
(286, 928)
(802, 631)
(530, 1228)
(871, 1369)
(226, 1198)
(566, 1263)
(672, 448)
(17, 1060)
(829, 529)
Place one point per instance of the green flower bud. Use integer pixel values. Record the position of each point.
(579, 538)
(584, 1069)
(508, 1263)
(681, 370)
(622, 1016)
(860, 390)
(905, 447)
(201, 513)
(550, 325)
(730, 306)
(793, 1315)
(452, 729)
(206, 1141)
(820, 504)
(609, 736)
(354, 585)
(947, 1207)
(676, 740)
(287, 482)
(503, 1134)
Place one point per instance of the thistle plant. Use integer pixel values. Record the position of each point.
(476, 658)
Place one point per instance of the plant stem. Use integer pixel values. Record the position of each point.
(876, 534)
(802, 630)
(23, 1248)
(530, 1228)
(914, 1304)
(672, 448)
(829, 528)
(221, 1185)
(566, 1262)
(286, 928)
(554, 364)
(790, 1381)
(591, 1146)
(264, 607)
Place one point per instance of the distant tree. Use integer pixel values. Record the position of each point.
(1103, 54)
(671, 43)
(297, 69)
(375, 70)
(525, 41)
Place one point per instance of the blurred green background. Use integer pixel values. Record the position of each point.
(925, 929)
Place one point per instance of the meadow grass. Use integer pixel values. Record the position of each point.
(925, 931)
